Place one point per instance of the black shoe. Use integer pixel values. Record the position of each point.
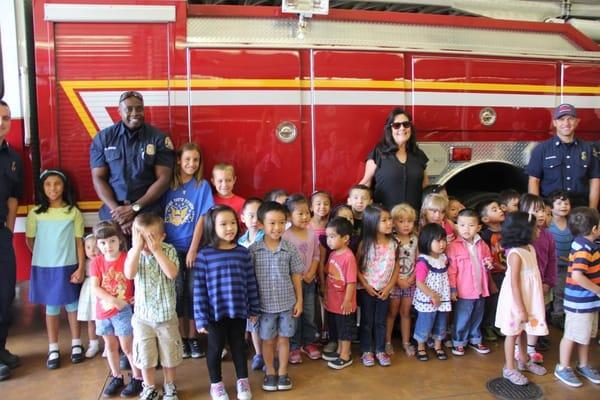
(4, 372)
(124, 362)
(113, 387)
(543, 343)
(185, 347)
(284, 383)
(330, 355)
(77, 358)
(10, 360)
(196, 350)
(133, 388)
(53, 363)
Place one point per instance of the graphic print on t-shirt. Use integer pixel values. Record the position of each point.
(179, 211)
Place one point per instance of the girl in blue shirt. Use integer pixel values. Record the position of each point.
(225, 295)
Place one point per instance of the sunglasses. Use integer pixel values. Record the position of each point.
(129, 94)
(397, 125)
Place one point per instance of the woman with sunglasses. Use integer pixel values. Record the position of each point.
(395, 169)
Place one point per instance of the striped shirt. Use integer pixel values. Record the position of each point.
(155, 291)
(224, 285)
(584, 257)
(274, 270)
(562, 240)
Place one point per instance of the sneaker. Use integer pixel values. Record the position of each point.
(284, 383)
(195, 349)
(218, 392)
(10, 360)
(330, 347)
(311, 351)
(114, 386)
(383, 359)
(531, 367)
(53, 361)
(330, 356)
(338, 363)
(589, 373)
(77, 354)
(296, 357)
(257, 362)
(480, 348)
(243, 389)
(4, 372)
(148, 393)
(567, 376)
(170, 392)
(367, 359)
(389, 349)
(185, 347)
(92, 351)
(270, 383)
(514, 376)
(133, 388)
(489, 335)
(458, 350)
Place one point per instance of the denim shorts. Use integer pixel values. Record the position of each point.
(117, 325)
(271, 325)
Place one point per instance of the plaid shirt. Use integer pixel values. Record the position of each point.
(274, 270)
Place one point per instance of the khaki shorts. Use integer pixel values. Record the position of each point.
(581, 327)
(153, 341)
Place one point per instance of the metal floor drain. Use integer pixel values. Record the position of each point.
(503, 389)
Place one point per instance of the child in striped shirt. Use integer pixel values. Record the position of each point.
(225, 295)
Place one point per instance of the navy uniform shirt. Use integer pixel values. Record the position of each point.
(565, 166)
(130, 158)
(11, 178)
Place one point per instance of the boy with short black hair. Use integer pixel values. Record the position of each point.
(582, 292)
(492, 217)
(154, 265)
(223, 179)
(359, 197)
(509, 200)
(561, 207)
(279, 269)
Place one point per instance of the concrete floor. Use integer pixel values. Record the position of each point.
(457, 378)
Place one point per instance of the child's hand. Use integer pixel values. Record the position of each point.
(454, 296)
(346, 307)
(436, 300)
(522, 316)
(488, 263)
(385, 293)
(297, 309)
(154, 242)
(203, 331)
(371, 291)
(253, 319)
(190, 259)
(308, 278)
(119, 303)
(77, 276)
(137, 239)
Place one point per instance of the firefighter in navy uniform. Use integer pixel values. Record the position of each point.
(565, 162)
(11, 188)
(131, 164)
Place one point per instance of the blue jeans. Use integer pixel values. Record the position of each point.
(373, 319)
(468, 314)
(491, 302)
(306, 328)
(430, 324)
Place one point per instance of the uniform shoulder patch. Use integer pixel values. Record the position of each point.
(169, 143)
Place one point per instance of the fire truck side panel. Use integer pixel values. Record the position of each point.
(583, 79)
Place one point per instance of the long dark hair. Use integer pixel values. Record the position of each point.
(517, 230)
(387, 145)
(67, 195)
(370, 228)
(209, 234)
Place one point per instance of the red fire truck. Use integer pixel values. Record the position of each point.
(292, 103)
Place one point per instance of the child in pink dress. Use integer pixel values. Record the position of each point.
(521, 301)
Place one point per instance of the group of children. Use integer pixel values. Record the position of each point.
(303, 271)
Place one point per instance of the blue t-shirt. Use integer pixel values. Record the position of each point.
(183, 207)
(562, 241)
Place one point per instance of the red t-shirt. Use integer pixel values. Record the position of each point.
(341, 271)
(235, 202)
(112, 279)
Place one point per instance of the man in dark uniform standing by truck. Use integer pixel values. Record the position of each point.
(131, 164)
(11, 188)
(566, 162)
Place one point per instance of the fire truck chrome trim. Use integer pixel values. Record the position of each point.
(108, 13)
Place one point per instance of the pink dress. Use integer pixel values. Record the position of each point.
(532, 293)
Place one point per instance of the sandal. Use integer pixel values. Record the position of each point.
(53, 363)
(440, 354)
(514, 376)
(422, 355)
(409, 349)
(389, 349)
(76, 358)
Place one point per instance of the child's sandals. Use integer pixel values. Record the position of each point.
(440, 354)
(514, 376)
(422, 355)
(389, 349)
(409, 349)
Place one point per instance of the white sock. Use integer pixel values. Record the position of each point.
(94, 343)
(51, 348)
(530, 349)
(76, 350)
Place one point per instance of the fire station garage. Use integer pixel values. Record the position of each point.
(299, 199)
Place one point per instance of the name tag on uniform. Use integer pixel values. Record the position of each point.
(110, 148)
(550, 157)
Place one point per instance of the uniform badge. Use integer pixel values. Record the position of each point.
(168, 143)
(150, 149)
(583, 156)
